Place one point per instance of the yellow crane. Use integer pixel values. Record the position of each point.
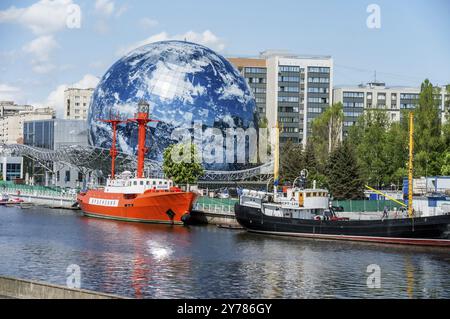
(410, 165)
(387, 196)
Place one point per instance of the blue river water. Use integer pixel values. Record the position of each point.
(161, 261)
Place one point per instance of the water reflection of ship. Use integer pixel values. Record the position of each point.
(145, 252)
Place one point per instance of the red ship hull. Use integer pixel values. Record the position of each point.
(167, 207)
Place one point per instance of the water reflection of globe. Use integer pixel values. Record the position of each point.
(184, 83)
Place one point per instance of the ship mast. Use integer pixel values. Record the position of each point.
(142, 118)
(410, 165)
(276, 164)
(113, 151)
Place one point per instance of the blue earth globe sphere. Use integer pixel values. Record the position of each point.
(184, 83)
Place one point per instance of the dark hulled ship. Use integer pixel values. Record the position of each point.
(307, 213)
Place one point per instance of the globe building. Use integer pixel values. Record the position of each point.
(187, 85)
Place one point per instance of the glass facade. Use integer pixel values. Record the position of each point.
(13, 171)
(39, 134)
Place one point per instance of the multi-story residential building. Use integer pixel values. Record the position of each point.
(8, 108)
(11, 126)
(289, 89)
(376, 95)
(76, 103)
(255, 72)
(54, 134)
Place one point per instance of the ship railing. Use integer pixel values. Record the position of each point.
(214, 208)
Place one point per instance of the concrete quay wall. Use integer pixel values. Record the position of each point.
(27, 289)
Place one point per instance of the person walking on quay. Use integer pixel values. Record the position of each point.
(385, 213)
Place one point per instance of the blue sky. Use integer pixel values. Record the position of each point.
(39, 55)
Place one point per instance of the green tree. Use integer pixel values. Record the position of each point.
(326, 132)
(263, 122)
(445, 169)
(427, 133)
(397, 151)
(446, 126)
(182, 164)
(369, 137)
(343, 174)
(291, 161)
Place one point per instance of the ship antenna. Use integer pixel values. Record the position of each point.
(114, 121)
(276, 164)
(142, 118)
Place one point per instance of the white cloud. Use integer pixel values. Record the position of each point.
(206, 38)
(9, 93)
(147, 23)
(42, 17)
(56, 97)
(41, 49)
(105, 7)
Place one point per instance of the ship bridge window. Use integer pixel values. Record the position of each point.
(308, 194)
(154, 182)
(142, 182)
(135, 183)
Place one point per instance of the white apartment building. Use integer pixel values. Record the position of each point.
(76, 103)
(10, 108)
(290, 89)
(376, 95)
(11, 126)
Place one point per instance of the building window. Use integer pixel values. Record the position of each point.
(12, 171)
(318, 90)
(290, 129)
(352, 114)
(293, 89)
(318, 100)
(259, 90)
(409, 96)
(294, 79)
(354, 94)
(67, 177)
(314, 110)
(286, 68)
(255, 70)
(288, 99)
(315, 69)
(318, 80)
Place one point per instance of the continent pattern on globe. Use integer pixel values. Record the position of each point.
(184, 83)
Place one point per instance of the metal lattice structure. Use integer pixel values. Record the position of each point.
(90, 158)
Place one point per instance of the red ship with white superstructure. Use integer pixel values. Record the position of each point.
(134, 197)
